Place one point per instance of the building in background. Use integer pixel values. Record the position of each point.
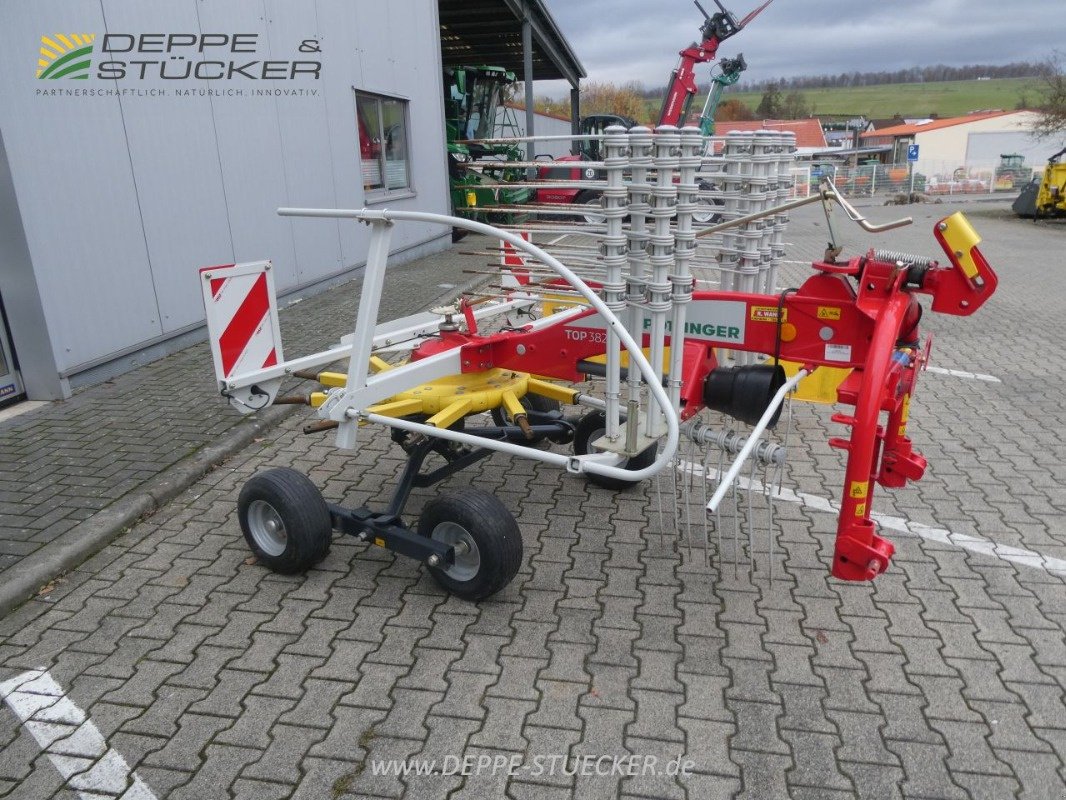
(142, 140)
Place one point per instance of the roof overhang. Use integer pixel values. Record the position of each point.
(489, 32)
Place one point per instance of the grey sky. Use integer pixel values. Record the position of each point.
(624, 40)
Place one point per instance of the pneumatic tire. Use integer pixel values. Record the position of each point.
(285, 520)
(486, 537)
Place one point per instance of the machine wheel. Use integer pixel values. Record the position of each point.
(709, 211)
(488, 542)
(590, 428)
(592, 199)
(285, 520)
(530, 402)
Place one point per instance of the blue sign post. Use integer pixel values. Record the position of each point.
(912, 156)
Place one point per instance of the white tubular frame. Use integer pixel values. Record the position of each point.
(348, 406)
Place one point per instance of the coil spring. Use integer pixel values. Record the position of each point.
(906, 258)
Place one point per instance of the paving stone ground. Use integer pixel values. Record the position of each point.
(66, 461)
(943, 678)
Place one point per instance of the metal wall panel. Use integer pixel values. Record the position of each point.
(75, 190)
(250, 151)
(123, 199)
(175, 162)
(308, 161)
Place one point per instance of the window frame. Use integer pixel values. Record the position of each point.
(383, 193)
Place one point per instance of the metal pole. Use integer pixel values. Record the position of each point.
(575, 116)
(527, 75)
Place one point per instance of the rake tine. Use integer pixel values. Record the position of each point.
(751, 518)
(706, 533)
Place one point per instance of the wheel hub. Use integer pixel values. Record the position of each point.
(267, 528)
(467, 556)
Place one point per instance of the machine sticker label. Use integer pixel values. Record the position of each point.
(707, 320)
(7, 390)
(767, 314)
(860, 509)
(859, 489)
(828, 312)
(905, 413)
(838, 352)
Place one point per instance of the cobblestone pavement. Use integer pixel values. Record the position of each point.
(213, 677)
(65, 462)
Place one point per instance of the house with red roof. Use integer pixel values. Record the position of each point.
(809, 135)
(977, 138)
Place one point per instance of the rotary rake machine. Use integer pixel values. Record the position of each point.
(613, 315)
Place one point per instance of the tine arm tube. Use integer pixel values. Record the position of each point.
(753, 439)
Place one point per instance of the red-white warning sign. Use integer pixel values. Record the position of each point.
(242, 318)
(513, 264)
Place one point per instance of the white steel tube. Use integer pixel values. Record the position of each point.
(636, 356)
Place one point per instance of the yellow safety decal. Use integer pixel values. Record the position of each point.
(860, 510)
(767, 314)
(904, 415)
(828, 312)
(859, 489)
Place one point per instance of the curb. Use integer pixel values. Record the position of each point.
(91, 536)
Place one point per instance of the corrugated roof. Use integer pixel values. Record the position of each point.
(808, 131)
(936, 124)
(489, 32)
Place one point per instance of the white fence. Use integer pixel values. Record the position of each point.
(928, 177)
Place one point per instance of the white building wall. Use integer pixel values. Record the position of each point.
(950, 144)
(122, 199)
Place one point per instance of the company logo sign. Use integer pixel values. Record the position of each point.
(172, 57)
(65, 55)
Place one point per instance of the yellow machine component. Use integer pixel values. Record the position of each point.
(552, 391)
(397, 408)
(484, 390)
(1052, 195)
(449, 399)
(333, 379)
(818, 387)
(961, 237)
(511, 404)
(552, 302)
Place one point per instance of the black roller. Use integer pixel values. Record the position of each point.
(744, 393)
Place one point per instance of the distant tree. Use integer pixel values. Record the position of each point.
(732, 110)
(1052, 119)
(551, 106)
(770, 105)
(795, 106)
(606, 98)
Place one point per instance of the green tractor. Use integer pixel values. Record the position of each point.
(1012, 172)
(472, 96)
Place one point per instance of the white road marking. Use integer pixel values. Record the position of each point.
(70, 739)
(975, 544)
(961, 373)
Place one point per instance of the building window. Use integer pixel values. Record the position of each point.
(383, 153)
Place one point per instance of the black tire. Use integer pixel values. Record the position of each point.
(588, 197)
(530, 402)
(285, 520)
(479, 519)
(708, 212)
(590, 428)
